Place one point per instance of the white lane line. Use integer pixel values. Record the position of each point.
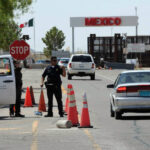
(105, 77)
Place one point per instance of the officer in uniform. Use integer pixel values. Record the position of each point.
(18, 77)
(53, 85)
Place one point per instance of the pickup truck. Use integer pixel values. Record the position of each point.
(7, 80)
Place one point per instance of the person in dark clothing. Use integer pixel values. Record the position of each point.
(18, 77)
(53, 85)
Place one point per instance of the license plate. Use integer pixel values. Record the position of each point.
(81, 66)
(145, 93)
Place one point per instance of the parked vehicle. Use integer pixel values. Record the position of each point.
(63, 62)
(43, 62)
(7, 80)
(130, 93)
(81, 65)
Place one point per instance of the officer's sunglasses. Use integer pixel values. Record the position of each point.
(55, 60)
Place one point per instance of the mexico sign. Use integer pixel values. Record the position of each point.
(103, 21)
(19, 49)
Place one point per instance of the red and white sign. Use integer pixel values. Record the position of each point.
(19, 49)
(103, 21)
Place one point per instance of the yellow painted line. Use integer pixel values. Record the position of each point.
(34, 145)
(86, 131)
(63, 90)
(34, 127)
(95, 146)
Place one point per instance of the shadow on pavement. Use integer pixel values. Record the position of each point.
(135, 118)
(6, 118)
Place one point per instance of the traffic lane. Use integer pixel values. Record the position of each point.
(110, 133)
(41, 133)
(18, 131)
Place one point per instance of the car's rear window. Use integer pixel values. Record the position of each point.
(136, 77)
(81, 59)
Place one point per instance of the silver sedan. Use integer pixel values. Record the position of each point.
(130, 93)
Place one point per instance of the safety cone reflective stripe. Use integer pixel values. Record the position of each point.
(28, 100)
(85, 118)
(72, 114)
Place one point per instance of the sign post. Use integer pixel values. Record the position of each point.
(19, 49)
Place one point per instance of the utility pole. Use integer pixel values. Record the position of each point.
(72, 40)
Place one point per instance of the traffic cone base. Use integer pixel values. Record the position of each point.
(85, 118)
(72, 109)
(85, 121)
(73, 117)
(28, 101)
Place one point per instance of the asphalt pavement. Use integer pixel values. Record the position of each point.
(39, 133)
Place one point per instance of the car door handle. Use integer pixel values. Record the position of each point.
(8, 81)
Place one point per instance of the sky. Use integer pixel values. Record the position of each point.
(49, 13)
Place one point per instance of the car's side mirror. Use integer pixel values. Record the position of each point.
(110, 86)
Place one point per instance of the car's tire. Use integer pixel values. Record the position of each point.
(112, 113)
(69, 77)
(93, 77)
(118, 115)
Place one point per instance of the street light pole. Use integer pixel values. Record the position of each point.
(136, 26)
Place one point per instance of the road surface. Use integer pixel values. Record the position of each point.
(39, 133)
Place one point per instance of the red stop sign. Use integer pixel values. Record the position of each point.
(19, 49)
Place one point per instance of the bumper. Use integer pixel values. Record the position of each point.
(132, 104)
(81, 72)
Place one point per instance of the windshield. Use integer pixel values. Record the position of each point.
(81, 59)
(134, 77)
(5, 67)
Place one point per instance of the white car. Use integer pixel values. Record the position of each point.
(63, 62)
(81, 65)
(130, 93)
(7, 80)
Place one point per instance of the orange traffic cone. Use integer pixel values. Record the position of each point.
(28, 100)
(42, 106)
(32, 95)
(69, 89)
(85, 118)
(72, 113)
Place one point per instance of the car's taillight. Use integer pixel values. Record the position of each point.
(122, 89)
(93, 65)
(137, 88)
(70, 66)
(61, 61)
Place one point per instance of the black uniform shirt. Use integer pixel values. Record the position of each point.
(53, 75)
(18, 76)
